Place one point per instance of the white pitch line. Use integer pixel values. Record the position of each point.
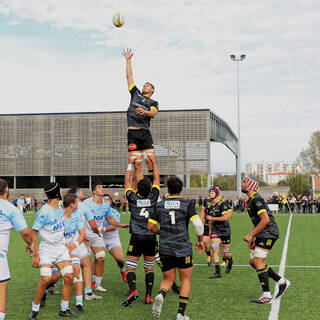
(275, 306)
(270, 265)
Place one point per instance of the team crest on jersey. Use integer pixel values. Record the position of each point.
(143, 203)
(172, 204)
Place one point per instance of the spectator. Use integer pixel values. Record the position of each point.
(124, 204)
(200, 201)
(21, 203)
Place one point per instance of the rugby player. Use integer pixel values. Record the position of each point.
(10, 217)
(49, 224)
(142, 241)
(261, 239)
(89, 222)
(141, 109)
(101, 210)
(207, 225)
(219, 214)
(173, 215)
(111, 240)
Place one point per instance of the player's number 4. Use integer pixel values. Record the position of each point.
(173, 217)
(144, 213)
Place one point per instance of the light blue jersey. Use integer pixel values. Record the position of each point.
(115, 214)
(100, 212)
(10, 217)
(50, 224)
(85, 212)
(72, 226)
(20, 204)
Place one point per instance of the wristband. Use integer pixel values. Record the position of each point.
(130, 167)
(76, 243)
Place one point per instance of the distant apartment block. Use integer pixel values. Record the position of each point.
(273, 172)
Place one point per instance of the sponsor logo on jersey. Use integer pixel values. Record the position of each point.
(70, 234)
(58, 227)
(143, 203)
(171, 204)
(98, 218)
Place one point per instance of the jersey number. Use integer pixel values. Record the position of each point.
(144, 213)
(173, 217)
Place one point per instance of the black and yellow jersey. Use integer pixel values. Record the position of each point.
(219, 210)
(140, 209)
(134, 119)
(173, 215)
(206, 204)
(257, 205)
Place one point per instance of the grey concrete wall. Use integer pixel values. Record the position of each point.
(187, 193)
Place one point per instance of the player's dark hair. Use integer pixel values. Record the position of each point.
(174, 185)
(144, 187)
(107, 195)
(68, 199)
(98, 183)
(151, 85)
(73, 190)
(3, 186)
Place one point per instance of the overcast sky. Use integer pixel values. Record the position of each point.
(65, 55)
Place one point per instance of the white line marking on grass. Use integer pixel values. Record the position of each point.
(247, 265)
(275, 307)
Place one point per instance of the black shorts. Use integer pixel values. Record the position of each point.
(139, 139)
(224, 239)
(171, 262)
(206, 231)
(265, 243)
(142, 245)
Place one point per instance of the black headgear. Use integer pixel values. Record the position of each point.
(52, 191)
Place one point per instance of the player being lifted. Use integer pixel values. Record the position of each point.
(219, 214)
(173, 215)
(141, 109)
(261, 239)
(10, 217)
(142, 241)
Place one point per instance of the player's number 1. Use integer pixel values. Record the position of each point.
(173, 217)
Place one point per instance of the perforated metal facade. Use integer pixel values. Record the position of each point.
(91, 144)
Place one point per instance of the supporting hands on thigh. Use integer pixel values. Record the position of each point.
(200, 247)
(249, 238)
(35, 261)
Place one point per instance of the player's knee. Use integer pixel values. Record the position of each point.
(100, 256)
(148, 265)
(45, 280)
(68, 277)
(131, 264)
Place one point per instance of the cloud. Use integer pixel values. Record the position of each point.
(183, 47)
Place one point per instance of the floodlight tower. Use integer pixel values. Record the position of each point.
(238, 161)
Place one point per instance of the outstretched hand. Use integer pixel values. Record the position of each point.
(128, 53)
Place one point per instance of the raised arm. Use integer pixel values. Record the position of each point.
(127, 177)
(128, 55)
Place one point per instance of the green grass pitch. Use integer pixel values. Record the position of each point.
(227, 298)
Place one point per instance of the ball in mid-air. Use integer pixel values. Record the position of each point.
(118, 20)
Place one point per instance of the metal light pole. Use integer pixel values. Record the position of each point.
(238, 161)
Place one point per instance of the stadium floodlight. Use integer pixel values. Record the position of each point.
(237, 59)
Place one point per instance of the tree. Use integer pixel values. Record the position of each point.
(298, 184)
(310, 157)
(283, 182)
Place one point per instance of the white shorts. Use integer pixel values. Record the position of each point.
(95, 241)
(80, 251)
(111, 240)
(4, 268)
(53, 254)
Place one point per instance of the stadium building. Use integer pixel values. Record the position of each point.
(80, 148)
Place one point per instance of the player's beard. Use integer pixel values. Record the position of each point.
(244, 190)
